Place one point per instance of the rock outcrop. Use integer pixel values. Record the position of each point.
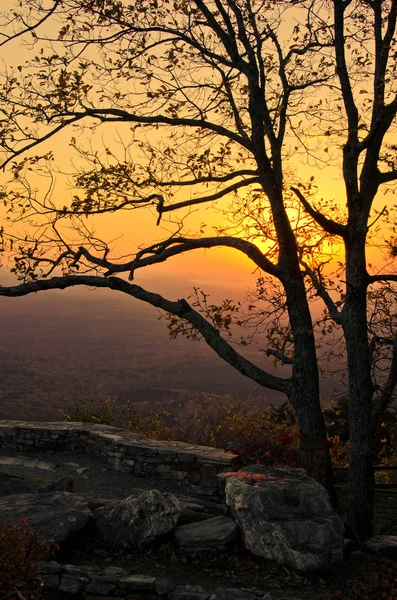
(138, 520)
(56, 516)
(12, 484)
(117, 582)
(285, 516)
(65, 484)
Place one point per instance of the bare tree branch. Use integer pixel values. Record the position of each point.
(387, 177)
(382, 277)
(174, 246)
(30, 28)
(215, 196)
(327, 224)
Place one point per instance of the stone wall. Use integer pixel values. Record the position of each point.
(118, 583)
(123, 450)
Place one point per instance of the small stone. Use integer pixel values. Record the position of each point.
(185, 594)
(46, 567)
(162, 586)
(72, 585)
(223, 593)
(51, 581)
(137, 582)
(102, 588)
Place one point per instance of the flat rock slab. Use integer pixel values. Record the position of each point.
(13, 484)
(56, 516)
(216, 533)
(30, 463)
(285, 516)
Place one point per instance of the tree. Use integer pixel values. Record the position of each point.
(239, 89)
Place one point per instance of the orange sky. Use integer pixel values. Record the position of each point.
(139, 227)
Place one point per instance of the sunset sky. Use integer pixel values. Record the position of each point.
(131, 230)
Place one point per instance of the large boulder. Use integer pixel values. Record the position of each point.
(138, 520)
(285, 516)
(217, 533)
(57, 516)
(12, 484)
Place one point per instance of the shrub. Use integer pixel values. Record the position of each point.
(257, 436)
(106, 411)
(379, 584)
(19, 551)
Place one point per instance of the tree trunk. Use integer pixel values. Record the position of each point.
(361, 475)
(314, 446)
(305, 394)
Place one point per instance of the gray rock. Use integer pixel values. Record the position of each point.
(45, 567)
(222, 593)
(65, 484)
(137, 582)
(216, 533)
(187, 593)
(162, 586)
(79, 571)
(95, 503)
(383, 545)
(12, 484)
(191, 516)
(101, 588)
(285, 516)
(114, 572)
(72, 585)
(56, 516)
(51, 581)
(138, 520)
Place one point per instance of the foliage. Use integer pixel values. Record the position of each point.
(259, 436)
(19, 551)
(380, 583)
(105, 411)
(384, 441)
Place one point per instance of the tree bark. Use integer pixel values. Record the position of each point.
(305, 390)
(361, 475)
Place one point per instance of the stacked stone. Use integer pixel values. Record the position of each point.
(117, 582)
(124, 451)
(27, 436)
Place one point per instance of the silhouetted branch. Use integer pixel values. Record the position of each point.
(328, 225)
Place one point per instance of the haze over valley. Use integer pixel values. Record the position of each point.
(61, 348)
